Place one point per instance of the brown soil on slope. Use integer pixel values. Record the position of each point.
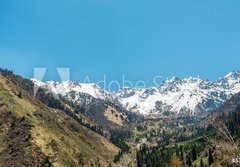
(16, 147)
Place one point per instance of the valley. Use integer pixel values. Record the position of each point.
(88, 126)
(119, 83)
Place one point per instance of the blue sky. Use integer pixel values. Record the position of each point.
(137, 38)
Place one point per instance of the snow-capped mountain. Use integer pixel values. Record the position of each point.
(63, 88)
(230, 82)
(87, 95)
(188, 96)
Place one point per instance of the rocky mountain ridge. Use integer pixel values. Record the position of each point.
(187, 96)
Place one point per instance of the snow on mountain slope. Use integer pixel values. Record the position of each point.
(87, 95)
(188, 96)
(67, 87)
(231, 82)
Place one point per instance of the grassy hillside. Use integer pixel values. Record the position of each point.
(58, 139)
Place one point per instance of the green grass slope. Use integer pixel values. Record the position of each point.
(49, 135)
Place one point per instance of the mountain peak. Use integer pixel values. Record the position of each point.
(189, 96)
(173, 79)
(233, 74)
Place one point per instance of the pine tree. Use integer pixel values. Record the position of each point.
(189, 162)
(194, 153)
(201, 163)
(181, 151)
(20, 95)
(210, 158)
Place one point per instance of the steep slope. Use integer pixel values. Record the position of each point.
(223, 110)
(230, 83)
(90, 100)
(16, 148)
(222, 132)
(43, 135)
(74, 91)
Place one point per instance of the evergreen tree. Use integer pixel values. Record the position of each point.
(189, 162)
(210, 157)
(194, 153)
(20, 95)
(201, 163)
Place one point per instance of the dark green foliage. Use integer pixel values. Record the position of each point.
(210, 157)
(194, 153)
(153, 156)
(118, 138)
(133, 117)
(118, 156)
(233, 122)
(181, 151)
(201, 163)
(141, 128)
(189, 162)
(160, 156)
(20, 95)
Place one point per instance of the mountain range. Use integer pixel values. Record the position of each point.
(75, 124)
(182, 97)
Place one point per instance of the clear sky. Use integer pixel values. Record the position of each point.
(137, 38)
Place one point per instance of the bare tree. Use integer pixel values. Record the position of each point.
(225, 144)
